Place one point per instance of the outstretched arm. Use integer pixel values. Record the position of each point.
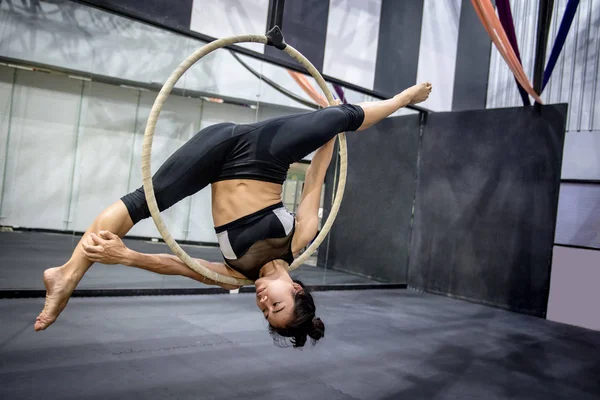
(108, 248)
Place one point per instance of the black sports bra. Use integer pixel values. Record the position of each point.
(248, 243)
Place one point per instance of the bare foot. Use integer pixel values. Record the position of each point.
(58, 291)
(419, 93)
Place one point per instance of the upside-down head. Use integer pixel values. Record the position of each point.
(289, 308)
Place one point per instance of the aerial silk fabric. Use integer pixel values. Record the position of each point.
(487, 15)
(506, 19)
(340, 93)
(303, 82)
(561, 38)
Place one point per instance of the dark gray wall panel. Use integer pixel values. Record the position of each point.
(175, 14)
(372, 231)
(472, 62)
(578, 221)
(486, 205)
(304, 28)
(398, 48)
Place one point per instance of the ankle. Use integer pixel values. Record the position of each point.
(403, 99)
(71, 273)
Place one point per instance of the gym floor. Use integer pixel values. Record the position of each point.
(379, 344)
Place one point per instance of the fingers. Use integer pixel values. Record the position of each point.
(91, 249)
(92, 253)
(95, 239)
(92, 257)
(108, 235)
(86, 245)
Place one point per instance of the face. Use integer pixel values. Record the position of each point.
(275, 299)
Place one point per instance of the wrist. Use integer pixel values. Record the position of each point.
(129, 258)
(403, 98)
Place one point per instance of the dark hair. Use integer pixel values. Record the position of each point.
(304, 323)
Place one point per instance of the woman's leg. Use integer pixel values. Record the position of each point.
(61, 281)
(291, 138)
(186, 172)
(375, 111)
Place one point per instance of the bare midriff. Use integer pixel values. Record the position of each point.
(235, 198)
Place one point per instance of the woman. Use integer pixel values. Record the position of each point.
(246, 166)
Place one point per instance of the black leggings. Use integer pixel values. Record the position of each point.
(262, 151)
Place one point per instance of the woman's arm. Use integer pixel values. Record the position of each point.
(108, 248)
(307, 216)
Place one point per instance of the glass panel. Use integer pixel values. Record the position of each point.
(7, 80)
(289, 194)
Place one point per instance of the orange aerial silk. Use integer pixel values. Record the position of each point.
(491, 22)
(303, 82)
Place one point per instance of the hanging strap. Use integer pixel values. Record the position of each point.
(340, 92)
(506, 19)
(487, 14)
(304, 83)
(561, 38)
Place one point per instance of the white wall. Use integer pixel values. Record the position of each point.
(351, 42)
(7, 76)
(574, 295)
(437, 51)
(230, 18)
(578, 218)
(98, 42)
(41, 150)
(581, 156)
(104, 150)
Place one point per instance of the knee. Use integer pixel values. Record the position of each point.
(355, 116)
(117, 212)
(134, 205)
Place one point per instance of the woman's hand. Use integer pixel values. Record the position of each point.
(106, 248)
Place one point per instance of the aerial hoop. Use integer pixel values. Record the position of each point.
(272, 38)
